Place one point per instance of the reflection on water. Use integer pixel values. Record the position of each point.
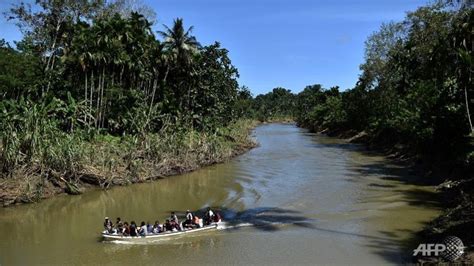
(298, 198)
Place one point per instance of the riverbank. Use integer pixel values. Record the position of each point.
(454, 187)
(73, 164)
(279, 119)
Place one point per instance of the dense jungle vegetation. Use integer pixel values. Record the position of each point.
(92, 95)
(414, 98)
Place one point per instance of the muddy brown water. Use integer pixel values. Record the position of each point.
(298, 198)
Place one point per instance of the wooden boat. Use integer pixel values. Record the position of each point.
(151, 237)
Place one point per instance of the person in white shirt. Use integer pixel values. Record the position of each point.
(209, 216)
(174, 217)
(143, 229)
(188, 223)
(189, 216)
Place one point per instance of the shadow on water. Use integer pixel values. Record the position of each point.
(413, 189)
(394, 171)
(271, 219)
(381, 185)
(408, 185)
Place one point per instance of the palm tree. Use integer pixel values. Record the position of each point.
(180, 43)
(181, 47)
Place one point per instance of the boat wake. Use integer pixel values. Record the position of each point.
(228, 225)
(233, 225)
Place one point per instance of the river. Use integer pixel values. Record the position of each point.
(298, 198)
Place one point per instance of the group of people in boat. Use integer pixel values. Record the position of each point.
(171, 224)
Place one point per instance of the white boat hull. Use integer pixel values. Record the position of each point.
(151, 237)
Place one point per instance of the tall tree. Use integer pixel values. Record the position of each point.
(181, 47)
(180, 43)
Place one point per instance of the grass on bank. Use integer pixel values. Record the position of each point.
(39, 160)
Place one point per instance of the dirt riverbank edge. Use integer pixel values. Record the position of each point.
(29, 186)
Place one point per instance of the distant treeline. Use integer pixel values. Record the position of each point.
(414, 97)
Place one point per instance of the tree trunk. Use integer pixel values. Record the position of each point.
(49, 75)
(155, 83)
(53, 46)
(92, 94)
(467, 106)
(121, 74)
(97, 103)
(85, 97)
(102, 115)
(166, 74)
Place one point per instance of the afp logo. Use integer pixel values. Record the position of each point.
(450, 249)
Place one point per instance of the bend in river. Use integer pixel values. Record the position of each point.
(297, 198)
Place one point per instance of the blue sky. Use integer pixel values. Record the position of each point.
(280, 43)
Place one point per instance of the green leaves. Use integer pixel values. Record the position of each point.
(180, 43)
